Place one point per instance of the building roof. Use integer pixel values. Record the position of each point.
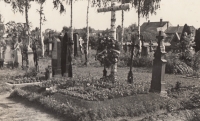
(178, 29)
(152, 26)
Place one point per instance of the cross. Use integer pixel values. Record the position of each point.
(114, 8)
(159, 37)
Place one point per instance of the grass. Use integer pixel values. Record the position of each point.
(127, 106)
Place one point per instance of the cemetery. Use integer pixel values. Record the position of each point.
(150, 73)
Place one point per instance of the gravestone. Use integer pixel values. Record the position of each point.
(158, 72)
(30, 57)
(1, 52)
(8, 54)
(76, 45)
(18, 57)
(64, 54)
(119, 34)
(145, 51)
(81, 45)
(56, 58)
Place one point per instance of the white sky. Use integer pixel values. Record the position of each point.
(175, 11)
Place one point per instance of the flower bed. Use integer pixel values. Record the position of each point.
(83, 110)
(21, 80)
(95, 89)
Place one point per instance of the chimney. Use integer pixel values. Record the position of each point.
(177, 27)
(161, 22)
(148, 21)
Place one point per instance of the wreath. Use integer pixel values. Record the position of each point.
(108, 51)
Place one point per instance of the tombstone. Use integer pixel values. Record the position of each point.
(144, 48)
(30, 57)
(56, 58)
(81, 45)
(64, 53)
(158, 72)
(76, 45)
(18, 57)
(1, 52)
(8, 54)
(50, 47)
(119, 34)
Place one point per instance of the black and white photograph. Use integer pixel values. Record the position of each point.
(99, 60)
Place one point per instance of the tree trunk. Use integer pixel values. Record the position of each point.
(140, 48)
(41, 37)
(72, 51)
(87, 51)
(27, 22)
(113, 35)
(122, 39)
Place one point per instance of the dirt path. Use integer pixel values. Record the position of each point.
(20, 110)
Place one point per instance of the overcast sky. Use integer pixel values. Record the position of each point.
(174, 11)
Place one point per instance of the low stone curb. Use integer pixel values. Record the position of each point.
(23, 84)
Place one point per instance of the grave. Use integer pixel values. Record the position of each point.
(56, 58)
(30, 57)
(81, 45)
(8, 54)
(159, 63)
(119, 34)
(76, 45)
(18, 57)
(112, 9)
(64, 53)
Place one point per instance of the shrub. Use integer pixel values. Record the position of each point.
(196, 62)
(142, 62)
(175, 65)
(187, 57)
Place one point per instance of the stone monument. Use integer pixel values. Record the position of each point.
(56, 58)
(159, 63)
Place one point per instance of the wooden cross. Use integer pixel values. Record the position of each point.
(114, 8)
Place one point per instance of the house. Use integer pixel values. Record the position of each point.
(170, 32)
(155, 26)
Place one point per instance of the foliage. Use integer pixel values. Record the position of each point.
(196, 62)
(142, 62)
(175, 65)
(89, 111)
(187, 39)
(108, 51)
(197, 40)
(187, 57)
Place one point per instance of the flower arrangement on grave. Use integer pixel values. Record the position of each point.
(108, 51)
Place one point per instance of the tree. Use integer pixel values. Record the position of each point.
(186, 38)
(197, 40)
(42, 19)
(88, 34)
(59, 4)
(21, 6)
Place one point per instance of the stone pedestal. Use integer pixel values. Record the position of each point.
(158, 72)
(56, 58)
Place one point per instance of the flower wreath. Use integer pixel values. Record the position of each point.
(108, 51)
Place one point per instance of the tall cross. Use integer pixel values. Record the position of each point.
(159, 37)
(114, 8)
